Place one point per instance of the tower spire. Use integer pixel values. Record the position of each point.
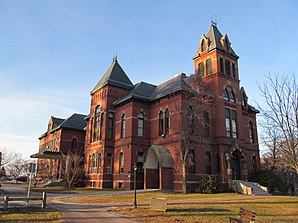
(214, 20)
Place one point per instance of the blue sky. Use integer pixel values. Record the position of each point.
(52, 53)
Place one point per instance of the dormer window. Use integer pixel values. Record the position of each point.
(203, 46)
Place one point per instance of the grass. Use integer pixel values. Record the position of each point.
(30, 214)
(201, 208)
(271, 209)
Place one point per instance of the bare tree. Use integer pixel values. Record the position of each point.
(281, 117)
(6, 156)
(195, 113)
(18, 166)
(73, 167)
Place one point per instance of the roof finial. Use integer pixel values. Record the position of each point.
(214, 20)
(115, 58)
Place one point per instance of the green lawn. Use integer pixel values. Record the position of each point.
(30, 215)
(200, 207)
(271, 209)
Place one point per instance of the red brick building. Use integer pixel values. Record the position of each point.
(134, 125)
(62, 136)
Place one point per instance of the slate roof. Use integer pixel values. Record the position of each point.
(115, 76)
(150, 92)
(75, 122)
(214, 36)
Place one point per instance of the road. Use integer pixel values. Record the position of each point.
(70, 212)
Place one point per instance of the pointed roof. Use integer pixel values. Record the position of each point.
(215, 41)
(115, 76)
(149, 92)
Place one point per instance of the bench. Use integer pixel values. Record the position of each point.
(43, 200)
(245, 216)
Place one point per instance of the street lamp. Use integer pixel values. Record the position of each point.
(135, 185)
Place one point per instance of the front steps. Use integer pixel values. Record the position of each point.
(249, 188)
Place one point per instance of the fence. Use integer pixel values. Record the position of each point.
(6, 199)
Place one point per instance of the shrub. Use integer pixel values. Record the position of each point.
(208, 184)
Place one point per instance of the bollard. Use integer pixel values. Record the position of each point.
(44, 199)
(5, 205)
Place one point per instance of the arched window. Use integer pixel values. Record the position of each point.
(101, 126)
(167, 122)
(226, 95)
(161, 123)
(208, 66)
(191, 120)
(201, 69)
(123, 123)
(251, 132)
(141, 125)
(99, 163)
(232, 97)
(74, 144)
(203, 46)
(96, 123)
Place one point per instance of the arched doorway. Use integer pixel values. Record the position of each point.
(235, 165)
(158, 168)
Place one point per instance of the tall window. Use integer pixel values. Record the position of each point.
(123, 123)
(208, 162)
(251, 132)
(228, 69)
(192, 161)
(121, 163)
(91, 130)
(101, 126)
(208, 66)
(109, 163)
(203, 46)
(140, 162)
(232, 98)
(226, 95)
(221, 65)
(167, 122)
(96, 123)
(74, 142)
(233, 70)
(141, 125)
(201, 69)
(89, 164)
(228, 125)
(206, 123)
(99, 163)
(191, 120)
(234, 124)
(161, 123)
(110, 131)
(94, 163)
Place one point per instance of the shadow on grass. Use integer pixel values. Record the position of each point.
(198, 210)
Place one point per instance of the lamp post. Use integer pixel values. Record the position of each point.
(135, 186)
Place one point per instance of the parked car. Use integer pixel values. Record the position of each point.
(22, 178)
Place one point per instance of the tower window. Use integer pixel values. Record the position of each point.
(160, 123)
(228, 69)
(123, 124)
(221, 65)
(167, 126)
(233, 70)
(141, 125)
(201, 69)
(209, 66)
(96, 123)
(140, 162)
(110, 130)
